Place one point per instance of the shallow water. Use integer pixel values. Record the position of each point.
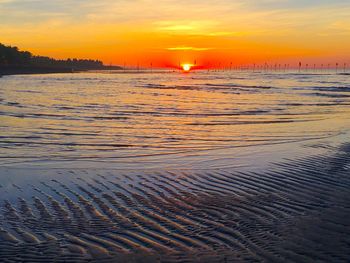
(199, 120)
(199, 167)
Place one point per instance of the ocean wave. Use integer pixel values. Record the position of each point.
(102, 116)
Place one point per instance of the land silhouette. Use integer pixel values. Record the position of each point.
(15, 61)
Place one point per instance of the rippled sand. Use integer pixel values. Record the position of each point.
(249, 192)
(294, 211)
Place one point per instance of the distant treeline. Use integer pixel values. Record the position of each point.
(13, 57)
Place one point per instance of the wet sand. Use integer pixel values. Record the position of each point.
(297, 210)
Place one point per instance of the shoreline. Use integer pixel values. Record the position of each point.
(120, 70)
(11, 70)
(8, 71)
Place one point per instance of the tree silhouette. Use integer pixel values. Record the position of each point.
(12, 56)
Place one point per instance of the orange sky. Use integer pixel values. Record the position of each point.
(168, 32)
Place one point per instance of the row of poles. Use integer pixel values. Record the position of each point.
(285, 67)
(262, 67)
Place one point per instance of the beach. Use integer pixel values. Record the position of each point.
(234, 166)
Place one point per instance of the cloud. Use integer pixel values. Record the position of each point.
(185, 48)
(186, 26)
(242, 12)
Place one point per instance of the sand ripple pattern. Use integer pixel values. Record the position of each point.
(295, 211)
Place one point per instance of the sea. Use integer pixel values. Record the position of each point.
(165, 119)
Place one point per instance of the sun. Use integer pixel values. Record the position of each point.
(186, 67)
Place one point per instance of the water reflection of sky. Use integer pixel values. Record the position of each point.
(164, 120)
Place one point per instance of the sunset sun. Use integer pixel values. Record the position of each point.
(186, 67)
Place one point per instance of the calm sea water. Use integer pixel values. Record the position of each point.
(196, 120)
